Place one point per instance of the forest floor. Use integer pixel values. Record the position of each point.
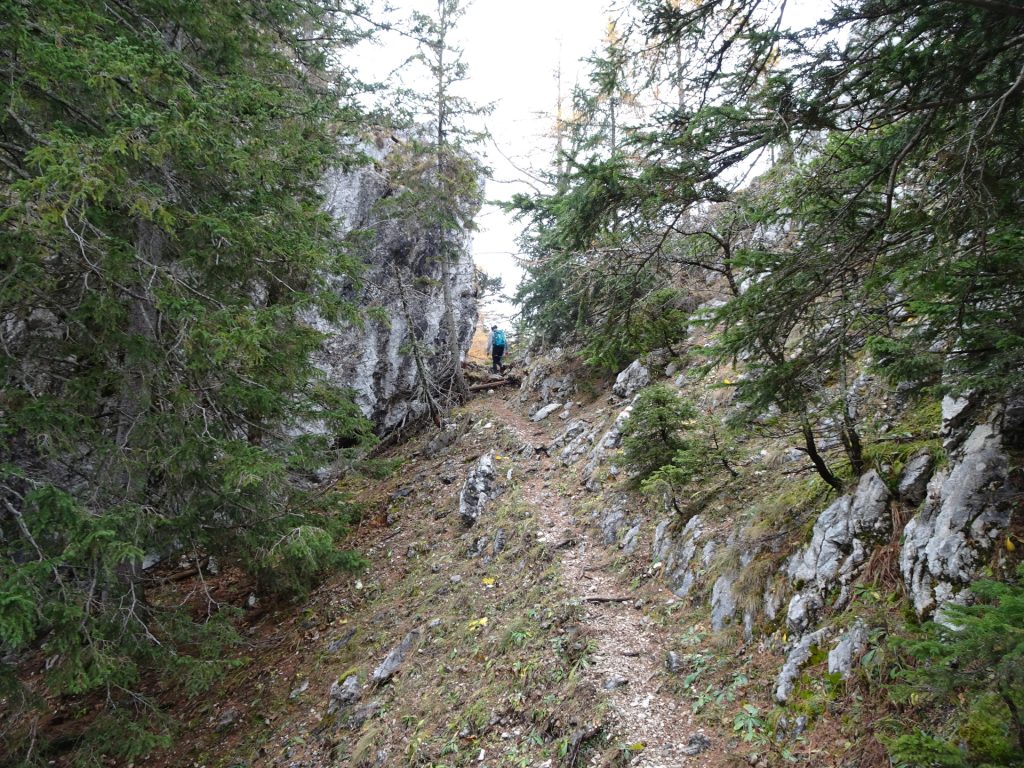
(548, 650)
(522, 639)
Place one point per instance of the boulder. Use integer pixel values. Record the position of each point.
(631, 380)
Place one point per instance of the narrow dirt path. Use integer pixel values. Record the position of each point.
(630, 653)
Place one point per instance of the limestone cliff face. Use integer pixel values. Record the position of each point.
(402, 262)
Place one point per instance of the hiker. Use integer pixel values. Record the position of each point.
(496, 348)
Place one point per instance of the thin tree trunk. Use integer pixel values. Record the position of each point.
(422, 371)
(819, 463)
(458, 382)
(852, 445)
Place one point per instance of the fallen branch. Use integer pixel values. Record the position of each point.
(179, 576)
(597, 599)
(507, 381)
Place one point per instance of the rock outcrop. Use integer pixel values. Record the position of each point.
(799, 654)
(840, 543)
(575, 441)
(609, 441)
(401, 262)
(676, 552)
(480, 487)
(547, 380)
(964, 515)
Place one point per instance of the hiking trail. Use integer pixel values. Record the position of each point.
(629, 660)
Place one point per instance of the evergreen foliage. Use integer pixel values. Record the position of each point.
(653, 434)
(161, 238)
(974, 655)
(886, 221)
(441, 179)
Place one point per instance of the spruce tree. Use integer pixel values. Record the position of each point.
(162, 236)
(447, 192)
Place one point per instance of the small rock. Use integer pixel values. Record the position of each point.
(363, 713)
(341, 642)
(343, 693)
(298, 691)
(149, 561)
(546, 411)
(393, 661)
(615, 682)
(696, 744)
(800, 726)
(500, 539)
(673, 663)
(228, 718)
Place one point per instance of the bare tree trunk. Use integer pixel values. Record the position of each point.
(423, 376)
(819, 463)
(459, 388)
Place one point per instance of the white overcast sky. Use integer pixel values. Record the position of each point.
(513, 50)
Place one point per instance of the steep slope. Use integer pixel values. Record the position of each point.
(511, 641)
(524, 605)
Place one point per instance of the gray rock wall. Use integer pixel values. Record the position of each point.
(966, 511)
(372, 357)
